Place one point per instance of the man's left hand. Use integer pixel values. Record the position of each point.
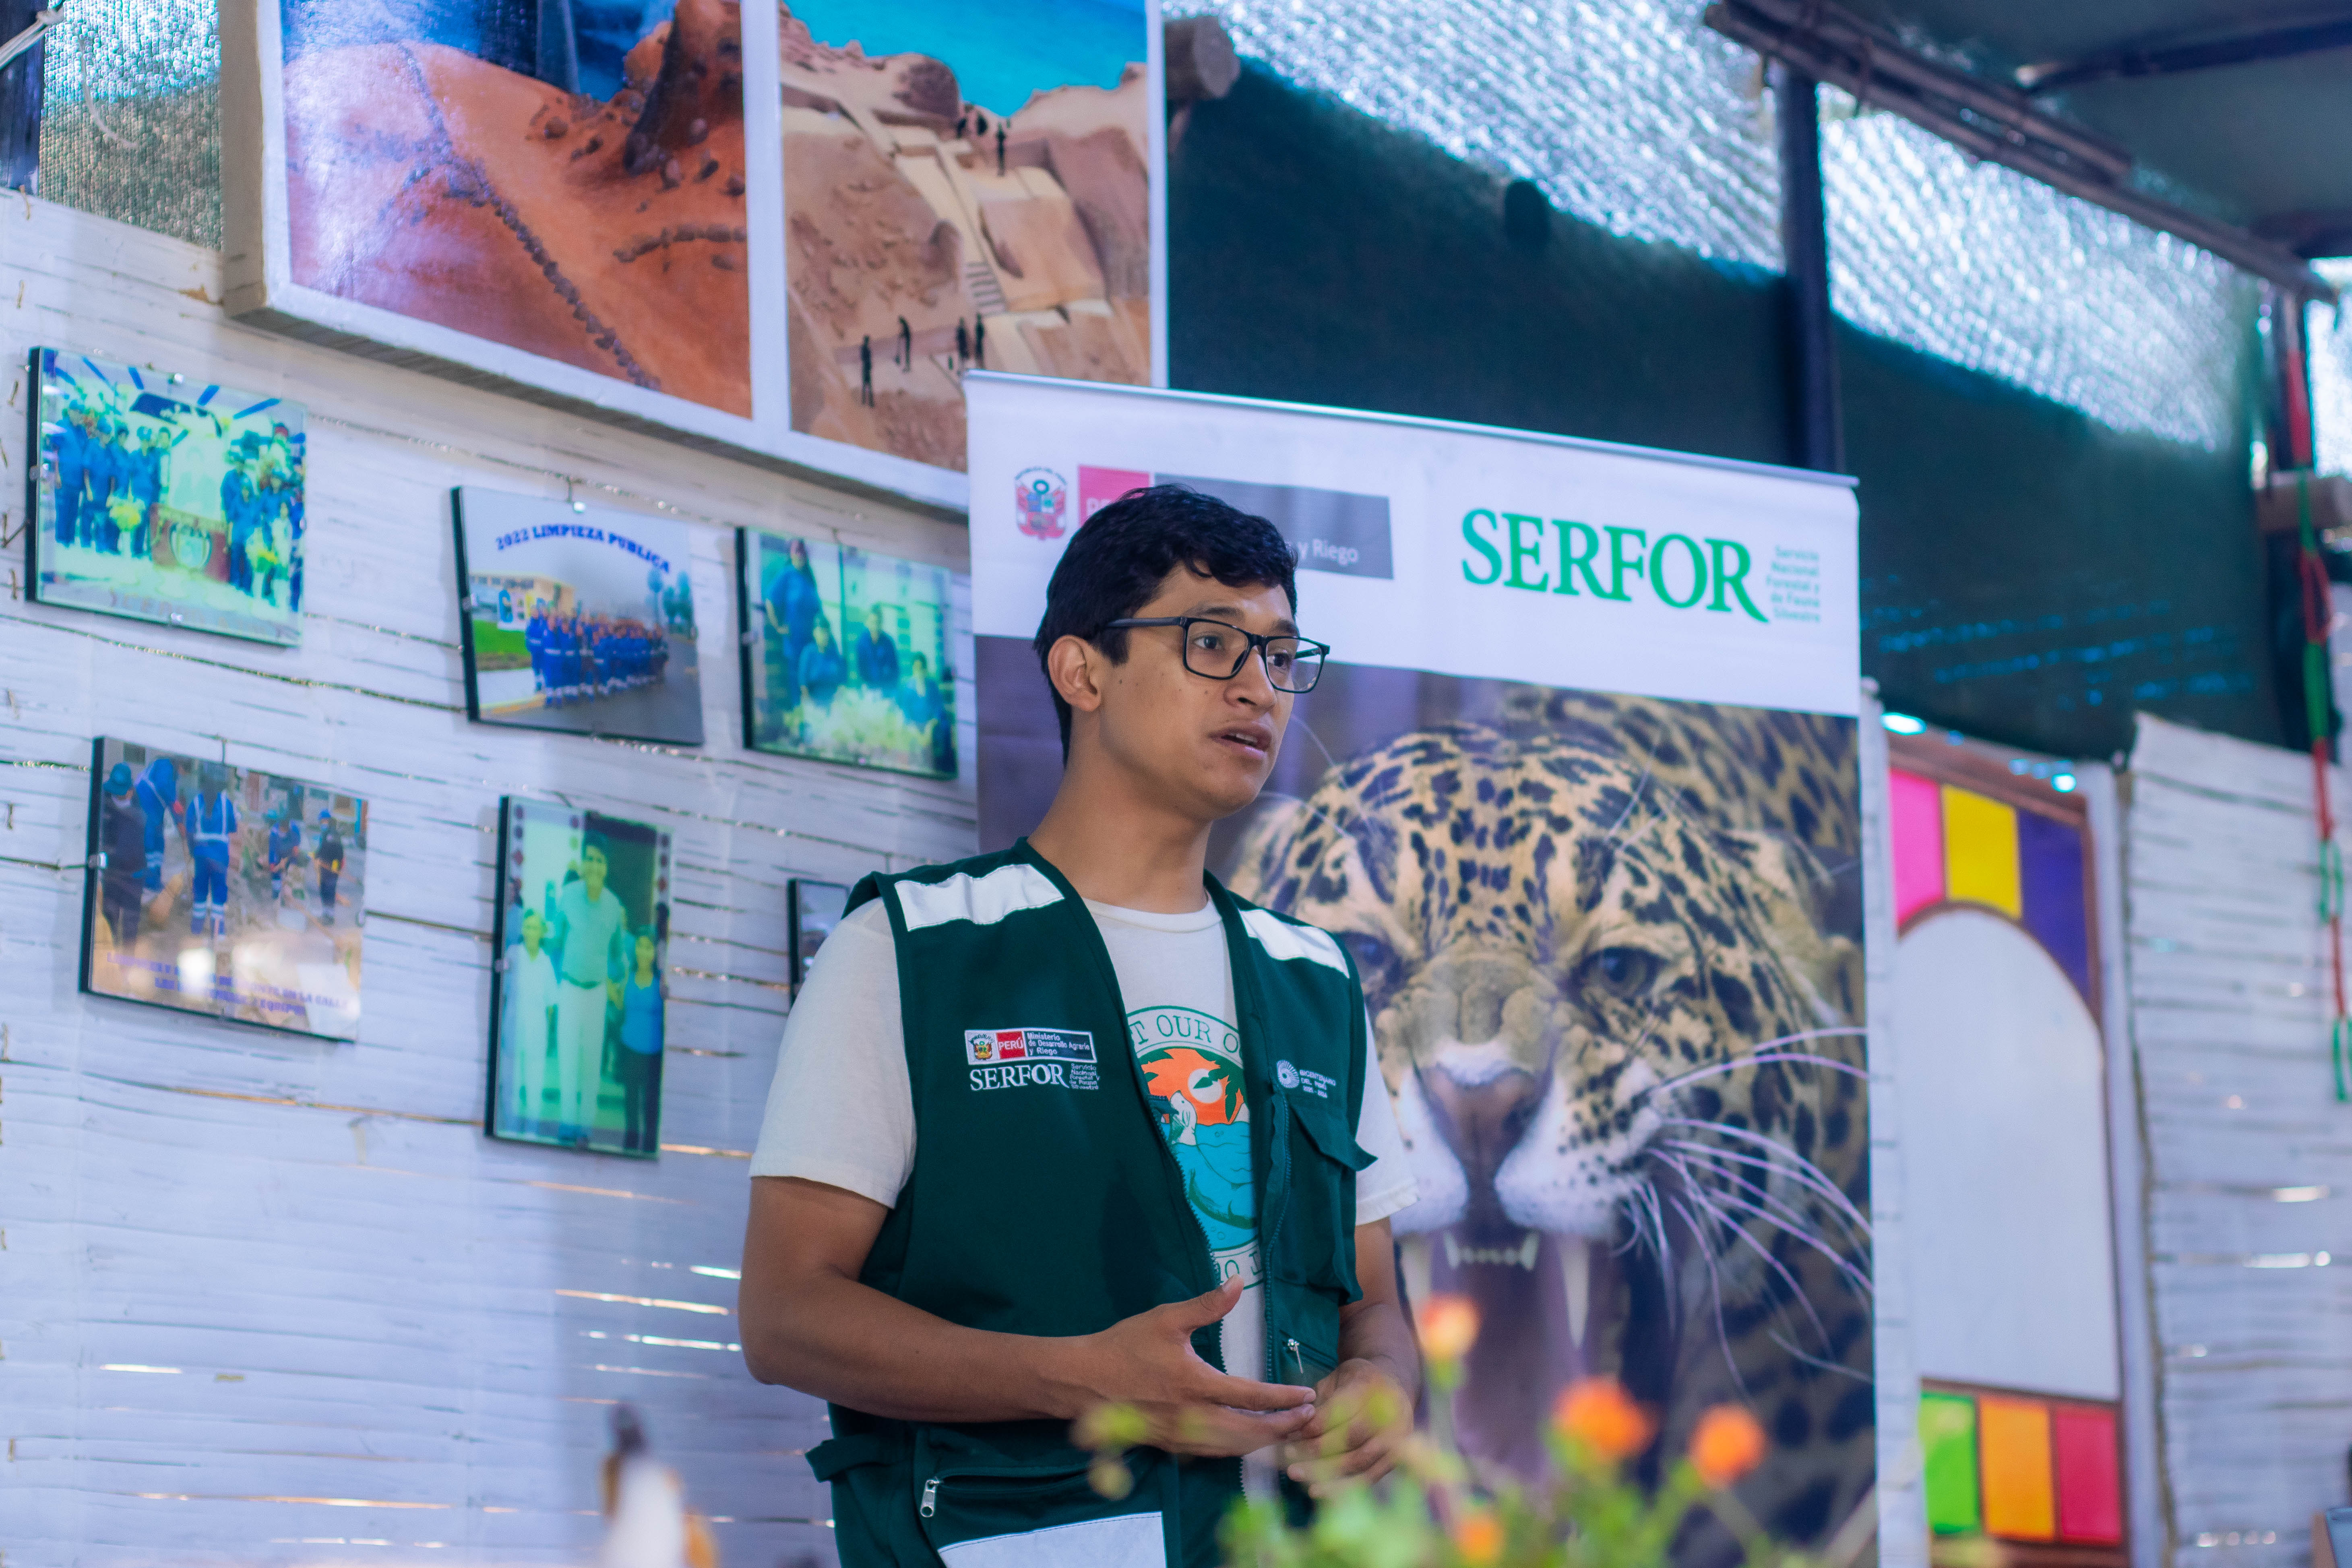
(1361, 1419)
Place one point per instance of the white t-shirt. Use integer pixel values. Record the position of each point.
(840, 1110)
(531, 992)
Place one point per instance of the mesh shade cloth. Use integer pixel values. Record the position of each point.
(1632, 115)
(1629, 113)
(2329, 332)
(131, 114)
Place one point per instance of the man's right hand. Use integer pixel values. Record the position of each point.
(811, 1324)
(1147, 1362)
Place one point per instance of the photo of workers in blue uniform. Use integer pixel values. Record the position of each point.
(845, 655)
(224, 891)
(577, 1029)
(578, 618)
(167, 498)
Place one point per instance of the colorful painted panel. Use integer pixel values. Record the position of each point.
(2050, 869)
(1947, 1445)
(2019, 1499)
(1916, 805)
(1955, 846)
(1980, 851)
(2089, 1489)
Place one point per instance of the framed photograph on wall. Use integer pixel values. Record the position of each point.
(789, 228)
(224, 890)
(576, 618)
(577, 994)
(165, 497)
(845, 655)
(815, 909)
(966, 188)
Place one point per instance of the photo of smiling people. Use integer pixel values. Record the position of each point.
(215, 888)
(165, 497)
(577, 618)
(576, 1034)
(846, 656)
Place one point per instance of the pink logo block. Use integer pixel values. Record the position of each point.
(1098, 488)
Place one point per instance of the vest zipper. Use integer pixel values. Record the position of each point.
(931, 1486)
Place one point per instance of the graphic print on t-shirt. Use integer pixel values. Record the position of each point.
(1193, 1065)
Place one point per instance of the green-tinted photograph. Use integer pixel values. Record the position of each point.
(846, 656)
(576, 1000)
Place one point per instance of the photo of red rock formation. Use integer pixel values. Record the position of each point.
(897, 209)
(605, 234)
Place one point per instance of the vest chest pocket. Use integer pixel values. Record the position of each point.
(1312, 1238)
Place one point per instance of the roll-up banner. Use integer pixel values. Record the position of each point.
(1579, 793)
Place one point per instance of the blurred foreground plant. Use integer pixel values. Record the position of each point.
(1440, 1510)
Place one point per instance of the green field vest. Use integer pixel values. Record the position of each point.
(1044, 1200)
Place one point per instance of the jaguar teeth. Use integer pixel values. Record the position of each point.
(1523, 1255)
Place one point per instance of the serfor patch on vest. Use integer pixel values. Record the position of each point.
(1282, 939)
(983, 900)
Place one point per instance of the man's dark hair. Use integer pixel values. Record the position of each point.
(1119, 557)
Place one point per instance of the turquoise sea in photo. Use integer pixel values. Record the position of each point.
(1000, 51)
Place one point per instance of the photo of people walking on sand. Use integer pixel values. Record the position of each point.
(965, 186)
(845, 655)
(165, 497)
(576, 1000)
(224, 891)
(577, 618)
(565, 178)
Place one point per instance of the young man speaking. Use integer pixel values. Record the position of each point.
(1068, 1124)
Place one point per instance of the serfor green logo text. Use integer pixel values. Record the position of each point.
(1517, 550)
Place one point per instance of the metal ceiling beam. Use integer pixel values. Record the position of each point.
(1991, 121)
(2308, 234)
(2285, 41)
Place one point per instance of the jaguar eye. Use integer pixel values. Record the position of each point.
(1376, 961)
(1621, 972)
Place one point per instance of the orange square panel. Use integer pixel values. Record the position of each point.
(2014, 1443)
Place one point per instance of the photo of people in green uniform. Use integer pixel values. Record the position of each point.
(576, 1030)
(845, 655)
(165, 498)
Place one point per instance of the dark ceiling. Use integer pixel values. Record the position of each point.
(2265, 142)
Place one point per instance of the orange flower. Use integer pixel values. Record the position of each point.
(1449, 1325)
(1480, 1539)
(1598, 1412)
(1727, 1445)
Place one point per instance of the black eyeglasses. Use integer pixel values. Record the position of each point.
(1218, 649)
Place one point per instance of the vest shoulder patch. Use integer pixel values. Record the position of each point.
(1282, 939)
(983, 900)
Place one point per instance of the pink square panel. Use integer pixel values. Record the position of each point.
(2090, 1487)
(1916, 806)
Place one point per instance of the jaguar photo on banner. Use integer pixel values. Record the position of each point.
(1579, 794)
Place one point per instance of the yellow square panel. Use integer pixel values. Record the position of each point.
(1980, 852)
(2013, 1446)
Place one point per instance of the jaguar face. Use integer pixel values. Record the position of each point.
(1623, 1049)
